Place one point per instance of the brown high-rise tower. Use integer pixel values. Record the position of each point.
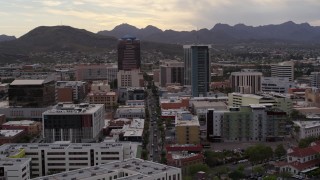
(129, 53)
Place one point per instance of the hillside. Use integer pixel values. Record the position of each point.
(66, 38)
(225, 34)
(4, 37)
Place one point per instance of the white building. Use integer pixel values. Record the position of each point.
(307, 129)
(283, 69)
(53, 158)
(15, 169)
(130, 169)
(315, 79)
(130, 112)
(73, 122)
(129, 78)
(21, 112)
(246, 82)
(276, 84)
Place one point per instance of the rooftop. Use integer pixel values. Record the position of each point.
(13, 161)
(307, 124)
(20, 123)
(139, 169)
(27, 82)
(83, 108)
(186, 119)
(9, 133)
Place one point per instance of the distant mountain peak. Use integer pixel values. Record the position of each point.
(224, 33)
(4, 37)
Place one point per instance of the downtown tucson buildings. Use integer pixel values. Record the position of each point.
(54, 158)
(129, 53)
(73, 122)
(197, 69)
(130, 169)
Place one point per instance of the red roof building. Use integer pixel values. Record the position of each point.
(301, 160)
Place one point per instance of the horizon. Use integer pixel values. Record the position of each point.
(20, 17)
(157, 27)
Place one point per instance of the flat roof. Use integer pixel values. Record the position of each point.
(186, 119)
(133, 132)
(83, 108)
(307, 124)
(13, 161)
(20, 123)
(27, 82)
(138, 168)
(9, 132)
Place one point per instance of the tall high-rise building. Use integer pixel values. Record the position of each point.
(315, 79)
(246, 82)
(197, 68)
(171, 72)
(283, 69)
(129, 53)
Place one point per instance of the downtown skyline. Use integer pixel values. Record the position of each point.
(20, 16)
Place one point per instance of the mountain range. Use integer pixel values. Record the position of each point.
(66, 38)
(224, 33)
(6, 38)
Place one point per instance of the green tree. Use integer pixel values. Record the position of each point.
(258, 169)
(272, 177)
(193, 169)
(237, 175)
(303, 143)
(280, 151)
(259, 153)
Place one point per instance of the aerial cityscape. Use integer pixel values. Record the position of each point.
(147, 90)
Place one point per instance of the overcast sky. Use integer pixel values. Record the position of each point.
(17, 17)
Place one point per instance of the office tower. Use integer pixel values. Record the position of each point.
(283, 69)
(315, 79)
(246, 82)
(171, 72)
(197, 69)
(32, 93)
(73, 122)
(129, 53)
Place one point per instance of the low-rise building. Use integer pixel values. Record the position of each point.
(301, 160)
(282, 102)
(276, 84)
(126, 170)
(73, 122)
(11, 136)
(305, 129)
(30, 127)
(15, 169)
(187, 128)
(54, 158)
(175, 103)
(130, 112)
(109, 99)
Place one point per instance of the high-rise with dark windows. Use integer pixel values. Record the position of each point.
(129, 53)
(197, 69)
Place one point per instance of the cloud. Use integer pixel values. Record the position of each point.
(50, 3)
(97, 15)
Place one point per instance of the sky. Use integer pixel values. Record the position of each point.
(17, 17)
